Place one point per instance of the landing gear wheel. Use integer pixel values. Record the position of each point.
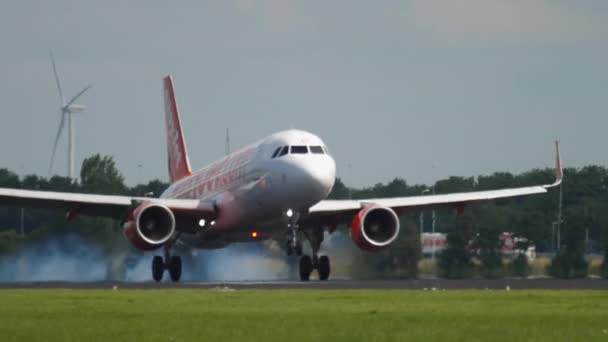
(323, 267)
(158, 268)
(305, 267)
(175, 268)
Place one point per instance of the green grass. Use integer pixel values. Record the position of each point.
(309, 315)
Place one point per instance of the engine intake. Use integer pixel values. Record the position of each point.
(374, 228)
(149, 226)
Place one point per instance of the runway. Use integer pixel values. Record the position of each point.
(416, 284)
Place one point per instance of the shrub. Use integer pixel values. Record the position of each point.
(568, 264)
(520, 267)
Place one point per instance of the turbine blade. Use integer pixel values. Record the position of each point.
(84, 90)
(57, 79)
(61, 124)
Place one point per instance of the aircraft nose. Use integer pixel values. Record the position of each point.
(320, 175)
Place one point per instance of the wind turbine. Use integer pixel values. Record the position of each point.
(66, 110)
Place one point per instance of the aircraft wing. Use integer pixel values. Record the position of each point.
(95, 205)
(455, 200)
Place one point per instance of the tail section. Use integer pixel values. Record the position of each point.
(179, 165)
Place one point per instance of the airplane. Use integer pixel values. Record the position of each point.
(274, 188)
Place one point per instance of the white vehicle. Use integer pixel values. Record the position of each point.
(274, 188)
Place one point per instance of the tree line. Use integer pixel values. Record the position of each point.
(472, 236)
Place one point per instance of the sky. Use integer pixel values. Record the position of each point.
(416, 89)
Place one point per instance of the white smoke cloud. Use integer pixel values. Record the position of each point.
(65, 259)
(70, 258)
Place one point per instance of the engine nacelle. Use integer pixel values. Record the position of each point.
(149, 226)
(374, 228)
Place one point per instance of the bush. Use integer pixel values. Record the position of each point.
(455, 263)
(568, 265)
(604, 269)
(491, 265)
(520, 267)
(10, 241)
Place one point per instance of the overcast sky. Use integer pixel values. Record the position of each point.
(417, 89)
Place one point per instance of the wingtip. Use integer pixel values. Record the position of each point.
(559, 173)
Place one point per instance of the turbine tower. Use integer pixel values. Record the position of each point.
(66, 110)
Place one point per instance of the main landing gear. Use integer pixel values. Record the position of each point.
(307, 263)
(316, 262)
(171, 263)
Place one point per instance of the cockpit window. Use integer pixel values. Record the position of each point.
(276, 152)
(316, 150)
(299, 149)
(284, 151)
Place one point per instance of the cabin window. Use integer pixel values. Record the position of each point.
(299, 149)
(276, 152)
(316, 150)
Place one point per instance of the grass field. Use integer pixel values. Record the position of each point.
(293, 315)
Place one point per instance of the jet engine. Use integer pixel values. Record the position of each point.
(374, 228)
(149, 226)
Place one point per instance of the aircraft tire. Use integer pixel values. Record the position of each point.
(324, 267)
(305, 267)
(175, 268)
(158, 268)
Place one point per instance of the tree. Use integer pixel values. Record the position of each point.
(498, 180)
(9, 179)
(100, 175)
(9, 241)
(455, 184)
(455, 261)
(154, 188)
(9, 217)
(406, 250)
(491, 222)
(519, 266)
(59, 183)
(570, 261)
(339, 191)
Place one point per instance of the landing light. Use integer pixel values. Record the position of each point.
(202, 222)
(289, 213)
(254, 234)
(212, 223)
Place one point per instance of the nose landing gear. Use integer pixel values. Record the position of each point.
(294, 244)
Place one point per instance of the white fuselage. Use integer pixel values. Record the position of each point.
(254, 187)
